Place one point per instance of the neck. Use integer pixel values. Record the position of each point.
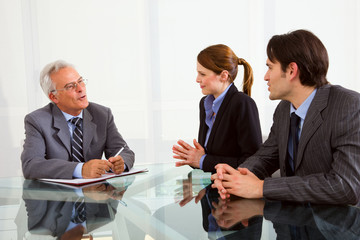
(300, 94)
(222, 90)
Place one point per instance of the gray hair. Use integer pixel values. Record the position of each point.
(46, 83)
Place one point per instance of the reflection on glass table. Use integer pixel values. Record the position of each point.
(164, 203)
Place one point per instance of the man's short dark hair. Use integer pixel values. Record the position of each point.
(306, 50)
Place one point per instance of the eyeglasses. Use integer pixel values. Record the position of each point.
(73, 85)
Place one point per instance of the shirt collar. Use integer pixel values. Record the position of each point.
(304, 107)
(68, 116)
(214, 104)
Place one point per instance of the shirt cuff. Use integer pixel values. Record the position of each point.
(202, 161)
(77, 171)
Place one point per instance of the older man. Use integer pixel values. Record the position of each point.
(67, 137)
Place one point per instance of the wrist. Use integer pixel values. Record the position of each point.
(261, 189)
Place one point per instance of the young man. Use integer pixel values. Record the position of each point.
(67, 137)
(319, 158)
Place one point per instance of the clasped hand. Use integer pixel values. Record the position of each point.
(189, 155)
(96, 167)
(240, 182)
(229, 212)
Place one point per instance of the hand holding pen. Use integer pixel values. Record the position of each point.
(118, 162)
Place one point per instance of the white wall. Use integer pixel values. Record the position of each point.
(140, 58)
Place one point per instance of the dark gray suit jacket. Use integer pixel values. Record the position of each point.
(47, 147)
(328, 162)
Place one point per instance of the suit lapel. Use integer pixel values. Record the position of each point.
(232, 90)
(203, 127)
(89, 129)
(313, 119)
(59, 122)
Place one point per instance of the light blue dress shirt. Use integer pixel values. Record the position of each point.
(78, 168)
(212, 106)
(301, 112)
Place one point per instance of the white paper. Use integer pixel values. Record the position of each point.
(82, 181)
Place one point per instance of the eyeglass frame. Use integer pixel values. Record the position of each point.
(72, 85)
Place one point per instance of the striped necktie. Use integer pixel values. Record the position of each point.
(77, 141)
(80, 212)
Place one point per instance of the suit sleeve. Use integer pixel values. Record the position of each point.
(266, 160)
(115, 142)
(35, 163)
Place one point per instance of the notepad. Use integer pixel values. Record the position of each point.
(83, 181)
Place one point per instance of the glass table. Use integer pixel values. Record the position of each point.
(164, 203)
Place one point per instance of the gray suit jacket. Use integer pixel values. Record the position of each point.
(47, 147)
(328, 162)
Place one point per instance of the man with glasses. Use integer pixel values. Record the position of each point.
(67, 137)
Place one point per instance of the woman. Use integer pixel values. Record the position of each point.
(229, 121)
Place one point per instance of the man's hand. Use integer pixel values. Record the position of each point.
(189, 155)
(103, 191)
(240, 182)
(95, 168)
(229, 212)
(118, 164)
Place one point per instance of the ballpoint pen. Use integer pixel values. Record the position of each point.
(118, 153)
(121, 149)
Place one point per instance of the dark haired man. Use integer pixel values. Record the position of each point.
(318, 155)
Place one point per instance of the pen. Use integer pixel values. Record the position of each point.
(121, 149)
(123, 203)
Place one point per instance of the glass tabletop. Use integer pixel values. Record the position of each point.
(164, 203)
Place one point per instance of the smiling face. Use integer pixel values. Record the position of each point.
(278, 81)
(73, 101)
(210, 82)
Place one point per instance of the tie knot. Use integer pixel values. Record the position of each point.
(294, 119)
(76, 121)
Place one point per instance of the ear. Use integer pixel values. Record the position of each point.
(224, 75)
(53, 98)
(293, 70)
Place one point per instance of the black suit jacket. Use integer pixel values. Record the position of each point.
(236, 133)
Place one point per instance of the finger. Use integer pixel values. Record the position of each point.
(219, 186)
(229, 169)
(178, 148)
(178, 157)
(181, 154)
(184, 145)
(214, 177)
(243, 171)
(223, 195)
(220, 170)
(106, 163)
(197, 145)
